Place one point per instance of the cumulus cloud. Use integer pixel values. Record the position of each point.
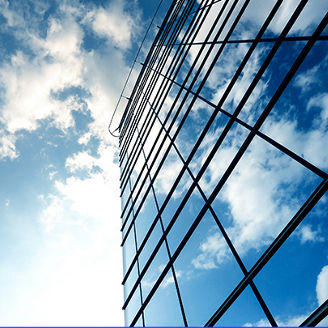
(307, 234)
(49, 78)
(170, 280)
(254, 223)
(289, 322)
(251, 226)
(322, 285)
(80, 161)
(214, 252)
(81, 223)
(92, 196)
(7, 146)
(258, 10)
(32, 81)
(114, 23)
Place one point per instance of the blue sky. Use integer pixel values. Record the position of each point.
(62, 68)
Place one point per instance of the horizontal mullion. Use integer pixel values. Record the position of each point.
(147, 125)
(166, 244)
(228, 126)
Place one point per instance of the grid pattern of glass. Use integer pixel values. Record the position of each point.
(224, 157)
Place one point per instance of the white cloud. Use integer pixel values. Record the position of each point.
(81, 222)
(322, 285)
(288, 322)
(32, 80)
(313, 12)
(68, 281)
(258, 210)
(12, 18)
(29, 83)
(306, 80)
(7, 146)
(114, 23)
(80, 161)
(213, 252)
(255, 223)
(92, 197)
(307, 234)
(170, 280)
(80, 219)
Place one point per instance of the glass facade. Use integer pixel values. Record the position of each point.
(224, 158)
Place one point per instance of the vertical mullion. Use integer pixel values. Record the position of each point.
(154, 144)
(138, 267)
(183, 314)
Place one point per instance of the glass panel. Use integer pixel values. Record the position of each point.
(261, 195)
(154, 270)
(294, 282)
(245, 311)
(129, 249)
(163, 308)
(132, 308)
(204, 283)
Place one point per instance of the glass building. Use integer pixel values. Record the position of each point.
(224, 161)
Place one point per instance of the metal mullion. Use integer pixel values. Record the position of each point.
(149, 124)
(210, 122)
(222, 136)
(145, 77)
(131, 170)
(204, 7)
(296, 220)
(179, 28)
(179, 91)
(184, 318)
(182, 204)
(138, 270)
(263, 136)
(180, 107)
(129, 74)
(225, 235)
(171, 37)
(189, 108)
(287, 39)
(318, 315)
(293, 223)
(167, 33)
(209, 5)
(138, 267)
(194, 80)
(300, 214)
(271, 250)
(141, 107)
(159, 36)
(168, 14)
